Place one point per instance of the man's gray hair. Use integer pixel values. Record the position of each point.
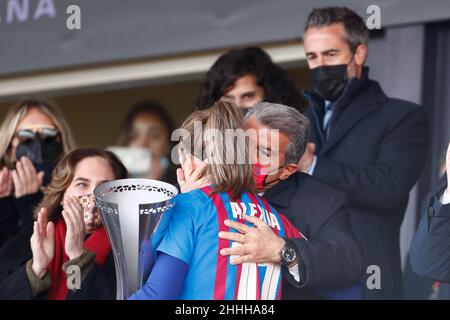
(288, 121)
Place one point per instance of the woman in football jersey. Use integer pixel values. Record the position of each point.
(188, 263)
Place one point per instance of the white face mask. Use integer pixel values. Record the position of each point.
(92, 219)
(137, 160)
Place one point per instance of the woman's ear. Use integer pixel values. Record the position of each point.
(197, 162)
(180, 157)
(188, 163)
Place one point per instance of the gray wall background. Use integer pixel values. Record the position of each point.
(117, 30)
(396, 61)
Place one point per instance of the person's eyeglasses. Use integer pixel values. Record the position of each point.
(44, 134)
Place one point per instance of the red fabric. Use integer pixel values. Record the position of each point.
(239, 266)
(222, 261)
(290, 231)
(97, 242)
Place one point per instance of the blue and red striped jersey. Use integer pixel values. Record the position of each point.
(192, 231)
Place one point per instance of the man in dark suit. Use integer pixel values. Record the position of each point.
(363, 143)
(330, 257)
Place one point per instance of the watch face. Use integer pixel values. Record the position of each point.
(288, 255)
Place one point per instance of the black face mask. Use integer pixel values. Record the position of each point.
(329, 81)
(42, 153)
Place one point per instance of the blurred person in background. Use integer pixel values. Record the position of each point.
(145, 140)
(430, 247)
(33, 135)
(246, 77)
(67, 232)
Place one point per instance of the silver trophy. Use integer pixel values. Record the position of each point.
(131, 210)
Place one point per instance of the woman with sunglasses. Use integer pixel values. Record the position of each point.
(68, 236)
(33, 136)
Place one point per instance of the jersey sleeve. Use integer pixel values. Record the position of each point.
(179, 238)
(165, 281)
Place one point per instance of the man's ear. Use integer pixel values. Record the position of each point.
(288, 171)
(360, 55)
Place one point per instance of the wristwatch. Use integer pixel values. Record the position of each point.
(288, 253)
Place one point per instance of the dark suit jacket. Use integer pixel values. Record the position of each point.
(375, 152)
(331, 257)
(430, 248)
(16, 215)
(99, 284)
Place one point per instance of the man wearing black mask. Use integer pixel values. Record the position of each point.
(363, 143)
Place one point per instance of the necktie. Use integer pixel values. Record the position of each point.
(327, 118)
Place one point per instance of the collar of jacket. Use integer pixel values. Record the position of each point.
(360, 100)
(280, 195)
(437, 192)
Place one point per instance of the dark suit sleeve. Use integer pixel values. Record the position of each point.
(25, 206)
(8, 218)
(99, 284)
(332, 256)
(430, 248)
(14, 284)
(400, 159)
